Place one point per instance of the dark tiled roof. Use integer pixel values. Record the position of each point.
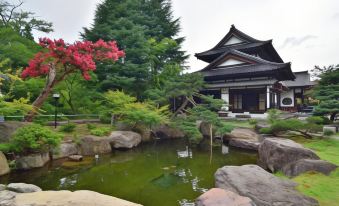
(302, 79)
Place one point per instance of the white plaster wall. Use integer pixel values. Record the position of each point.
(233, 40)
(230, 62)
(286, 94)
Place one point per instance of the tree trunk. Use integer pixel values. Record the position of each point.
(211, 142)
(184, 104)
(51, 81)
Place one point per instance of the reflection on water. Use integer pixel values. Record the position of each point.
(163, 173)
(185, 153)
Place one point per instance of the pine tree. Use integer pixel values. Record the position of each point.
(147, 32)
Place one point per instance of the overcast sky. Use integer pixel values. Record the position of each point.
(304, 32)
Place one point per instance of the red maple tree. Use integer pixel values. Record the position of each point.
(58, 59)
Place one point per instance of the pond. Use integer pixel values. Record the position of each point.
(166, 173)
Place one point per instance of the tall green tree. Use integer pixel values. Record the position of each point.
(327, 91)
(147, 31)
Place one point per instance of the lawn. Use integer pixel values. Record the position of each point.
(239, 123)
(321, 187)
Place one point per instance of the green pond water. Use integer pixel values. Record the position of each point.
(166, 173)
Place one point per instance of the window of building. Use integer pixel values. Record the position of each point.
(287, 101)
(237, 102)
(262, 101)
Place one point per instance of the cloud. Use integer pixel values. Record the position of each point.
(295, 41)
(336, 15)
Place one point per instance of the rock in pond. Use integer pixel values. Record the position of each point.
(68, 198)
(304, 165)
(262, 187)
(32, 161)
(23, 188)
(75, 158)
(168, 132)
(124, 139)
(244, 133)
(92, 145)
(275, 153)
(4, 168)
(65, 149)
(244, 144)
(218, 197)
(2, 187)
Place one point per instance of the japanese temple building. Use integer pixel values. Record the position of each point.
(250, 75)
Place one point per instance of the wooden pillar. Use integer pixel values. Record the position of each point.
(268, 105)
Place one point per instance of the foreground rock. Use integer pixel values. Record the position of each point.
(124, 139)
(23, 188)
(7, 198)
(92, 145)
(32, 161)
(218, 197)
(167, 132)
(304, 165)
(4, 168)
(66, 149)
(67, 198)
(262, 187)
(275, 153)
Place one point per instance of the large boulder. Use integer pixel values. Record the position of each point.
(65, 149)
(23, 188)
(275, 153)
(204, 128)
(92, 145)
(7, 129)
(244, 144)
(124, 139)
(304, 165)
(262, 187)
(2, 187)
(218, 197)
(168, 132)
(68, 198)
(244, 133)
(7, 198)
(32, 161)
(4, 168)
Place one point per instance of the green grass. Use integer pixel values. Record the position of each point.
(319, 186)
(325, 148)
(239, 123)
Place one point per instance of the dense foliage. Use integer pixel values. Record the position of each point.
(147, 31)
(32, 139)
(327, 91)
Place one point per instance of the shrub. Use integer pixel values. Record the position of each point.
(328, 132)
(34, 138)
(68, 128)
(253, 121)
(273, 115)
(317, 120)
(91, 126)
(265, 130)
(101, 131)
(5, 147)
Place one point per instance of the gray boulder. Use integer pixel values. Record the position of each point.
(244, 144)
(7, 129)
(7, 198)
(245, 133)
(262, 187)
(23, 188)
(124, 139)
(218, 197)
(65, 149)
(2, 187)
(4, 168)
(32, 161)
(167, 132)
(204, 129)
(275, 153)
(92, 145)
(304, 165)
